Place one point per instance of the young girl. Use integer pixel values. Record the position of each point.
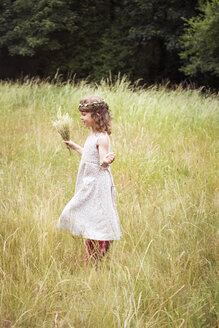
(92, 213)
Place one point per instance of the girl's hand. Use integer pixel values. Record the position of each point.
(108, 159)
(69, 144)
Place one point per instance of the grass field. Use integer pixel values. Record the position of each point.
(163, 271)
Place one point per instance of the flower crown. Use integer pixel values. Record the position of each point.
(92, 104)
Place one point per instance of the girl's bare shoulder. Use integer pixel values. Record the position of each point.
(103, 139)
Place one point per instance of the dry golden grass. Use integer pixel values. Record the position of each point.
(163, 272)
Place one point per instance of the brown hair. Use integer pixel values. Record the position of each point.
(99, 110)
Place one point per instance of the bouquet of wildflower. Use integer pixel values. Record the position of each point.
(62, 125)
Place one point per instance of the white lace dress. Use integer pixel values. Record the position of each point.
(92, 213)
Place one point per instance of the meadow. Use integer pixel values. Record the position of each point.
(163, 271)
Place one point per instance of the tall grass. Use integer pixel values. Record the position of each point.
(162, 273)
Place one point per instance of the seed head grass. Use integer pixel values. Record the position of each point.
(163, 271)
(63, 125)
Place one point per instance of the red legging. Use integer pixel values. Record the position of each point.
(97, 248)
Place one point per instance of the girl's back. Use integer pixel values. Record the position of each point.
(90, 151)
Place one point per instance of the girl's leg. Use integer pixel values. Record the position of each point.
(89, 248)
(96, 249)
(103, 246)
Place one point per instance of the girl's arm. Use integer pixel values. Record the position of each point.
(74, 146)
(105, 157)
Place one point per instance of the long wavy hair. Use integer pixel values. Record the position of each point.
(99, 110)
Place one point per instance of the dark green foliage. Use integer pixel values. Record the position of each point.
(116, 50)
(33, 32)
(92, 38)
(155, 28)
(30, 26)
(201, 41)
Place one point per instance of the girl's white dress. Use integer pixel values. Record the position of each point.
(92, 213)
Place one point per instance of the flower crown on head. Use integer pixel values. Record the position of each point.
(92, 104)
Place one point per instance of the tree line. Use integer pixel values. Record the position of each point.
(151, 40)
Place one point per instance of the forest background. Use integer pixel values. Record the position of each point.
(151, 40)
